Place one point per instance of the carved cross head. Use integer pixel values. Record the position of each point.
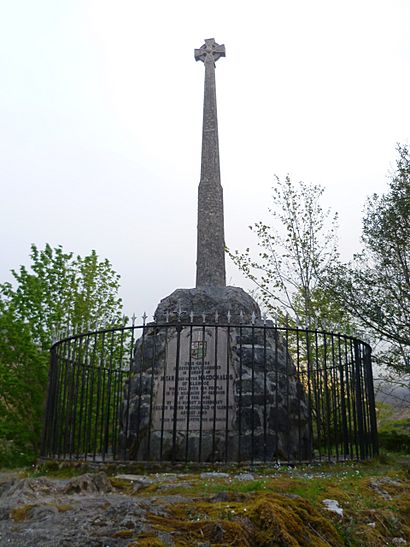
(210, 52)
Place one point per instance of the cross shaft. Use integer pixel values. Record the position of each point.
(210, 264)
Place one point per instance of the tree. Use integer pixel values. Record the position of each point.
(23, 377)
(375, 286)
(295, 250)
(61, 291)
(57, 291)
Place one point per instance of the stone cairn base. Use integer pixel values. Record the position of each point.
(238, 396)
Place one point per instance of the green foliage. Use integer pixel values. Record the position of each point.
(57, 290)
(23, 375)
(384, 413)
(375, 286)
(295, 250)
(395, 436)
(60, 290)
(297, 270)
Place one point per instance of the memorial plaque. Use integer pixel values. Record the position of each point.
(203, 378)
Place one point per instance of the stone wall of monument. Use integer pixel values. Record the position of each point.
(214, 393)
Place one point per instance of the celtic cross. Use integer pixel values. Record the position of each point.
(210, 52)
(210, 263)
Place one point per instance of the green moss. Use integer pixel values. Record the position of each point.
(266, 519)
(64, 470)
(258, 513)
(123, 534)
(292, 522)
(20, 514)
(147, 540)
(125, 486)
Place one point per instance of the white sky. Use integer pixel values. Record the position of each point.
(101, 113)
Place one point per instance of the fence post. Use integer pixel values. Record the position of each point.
(174, 428)
(359, 405)
(372, 400)
(50, 404)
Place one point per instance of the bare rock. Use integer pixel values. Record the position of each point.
(172, 485)
(333, 505)
(208, 300)
(379, 486)
(245, 477)
(88, 484)
(214, 475)
(28, 490)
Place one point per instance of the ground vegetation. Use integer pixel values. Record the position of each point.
(350, 503)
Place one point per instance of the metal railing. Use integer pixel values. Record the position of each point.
(210, 392)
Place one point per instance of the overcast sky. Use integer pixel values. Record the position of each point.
(101, 113)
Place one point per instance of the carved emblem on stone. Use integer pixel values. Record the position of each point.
(198, 349)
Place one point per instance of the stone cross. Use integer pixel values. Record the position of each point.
(210, 263)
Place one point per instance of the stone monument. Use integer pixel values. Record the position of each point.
(209, 380)
(210, 264)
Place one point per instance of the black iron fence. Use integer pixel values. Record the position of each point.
(199, 392)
